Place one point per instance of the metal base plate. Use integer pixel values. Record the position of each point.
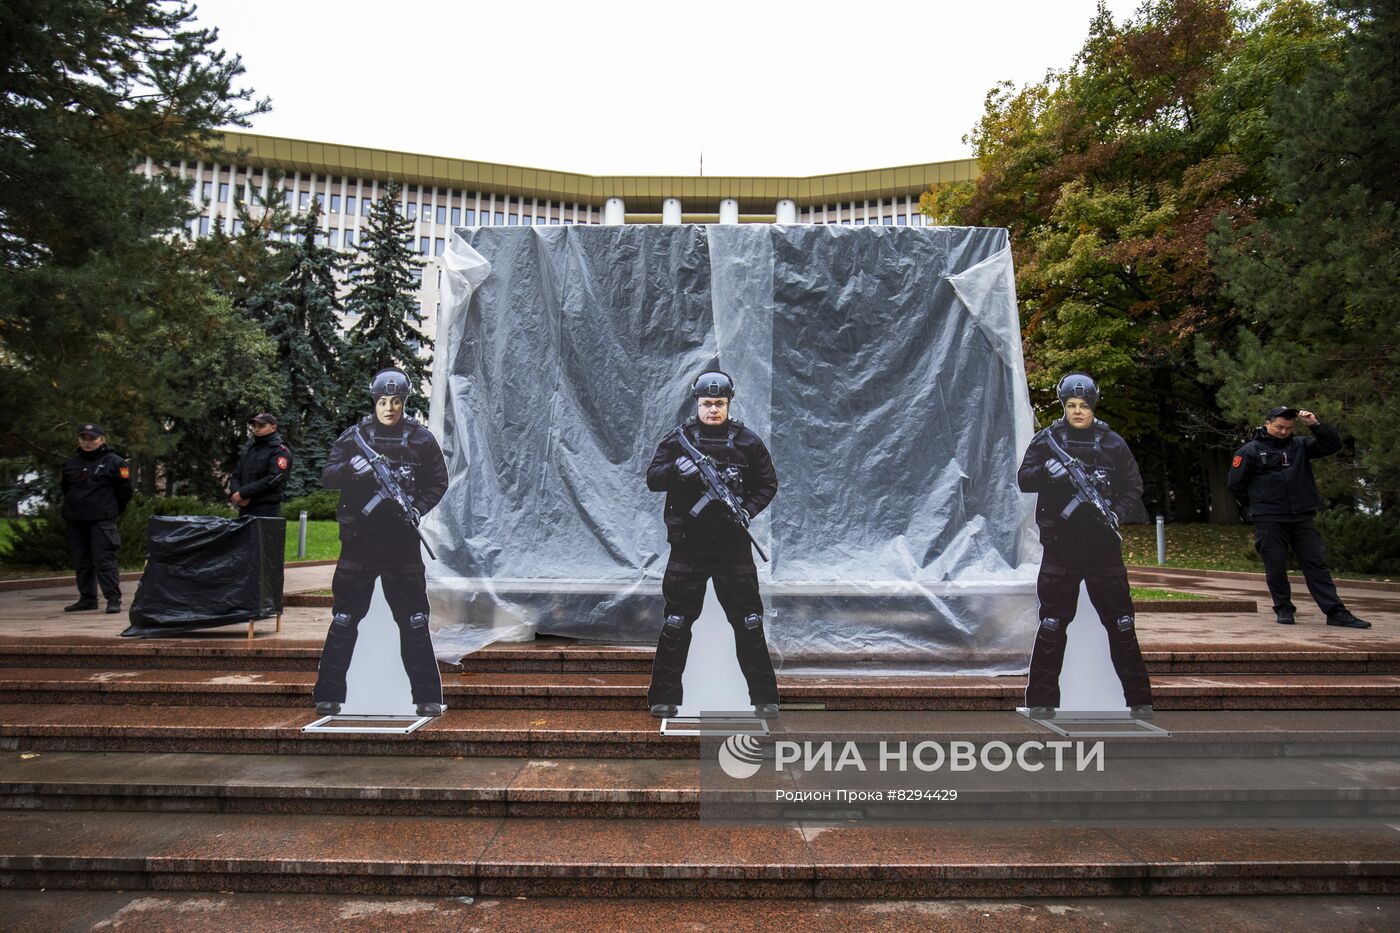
(715, 724)
(358, 724)
(1108, 724)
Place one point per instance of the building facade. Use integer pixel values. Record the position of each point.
(439, 194)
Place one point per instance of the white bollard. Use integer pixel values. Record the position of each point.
(1161, 541)
(301, 537)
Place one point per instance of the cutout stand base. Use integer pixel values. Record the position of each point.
(357, 724)
(715, 724)
(1104, 724)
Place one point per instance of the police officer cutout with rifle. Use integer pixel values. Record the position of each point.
(1086, 482)
(717, 475)
(390, 472)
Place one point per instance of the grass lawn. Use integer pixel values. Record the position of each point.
(1194, 546)
(1152, 592)
(322, 541)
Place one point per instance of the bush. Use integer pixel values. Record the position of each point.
(319, 505)
(42, 541)
(1360, 543)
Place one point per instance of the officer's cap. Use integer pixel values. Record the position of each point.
(1281, 411)
(94, 430)
(264, 418)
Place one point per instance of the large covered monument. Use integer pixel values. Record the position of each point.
(883, 365)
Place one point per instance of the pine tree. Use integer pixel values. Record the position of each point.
(303, 318)
(383, 305)
(1319, 276)
(91, 277)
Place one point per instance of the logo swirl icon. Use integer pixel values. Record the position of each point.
(740, 756)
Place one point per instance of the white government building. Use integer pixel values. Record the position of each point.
(442, 193)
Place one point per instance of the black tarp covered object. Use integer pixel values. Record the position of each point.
(882, 366)
(204, 571)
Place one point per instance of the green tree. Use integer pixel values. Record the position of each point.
(91, 264)
(302, 316)
(1110, 176)
(383, 305)
(1318, 277)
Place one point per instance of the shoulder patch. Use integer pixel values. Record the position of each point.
(282, 463)
(1235, 463)
(124, 472)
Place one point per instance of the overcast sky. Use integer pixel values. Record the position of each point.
(607, 88)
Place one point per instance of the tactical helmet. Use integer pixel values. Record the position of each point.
(389, 382)
(1078, 385)
(712, 384)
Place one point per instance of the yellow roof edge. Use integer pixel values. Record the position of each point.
(338, 159)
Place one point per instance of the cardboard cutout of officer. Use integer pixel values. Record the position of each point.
(260, 480)
(96, 488)
(709, 542)
(1272, 476)
(390, 472)
(1086, 482)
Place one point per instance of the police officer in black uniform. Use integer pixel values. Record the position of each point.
(711, 546)
(260, 480)
(1081, 546)
(1272, 477)
(378, 542)
(96, 488)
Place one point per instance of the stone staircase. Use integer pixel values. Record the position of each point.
(181, 766)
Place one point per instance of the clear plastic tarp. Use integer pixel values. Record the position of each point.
(881, 365)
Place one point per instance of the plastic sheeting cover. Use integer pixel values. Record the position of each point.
(204, 571)
(882, 366)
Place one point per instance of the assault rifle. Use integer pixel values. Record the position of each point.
(1084, 487)
(717, 491)
(390, 489)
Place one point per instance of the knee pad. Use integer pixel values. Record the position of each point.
(1051, 626)
(1125, 623)
(753, 623)
(340, 620)
(418, 620)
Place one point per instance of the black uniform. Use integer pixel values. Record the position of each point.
(711, 546)
(96, 488)
(382, 545)
(1273, 478)
(1080, 547)
(261, 476)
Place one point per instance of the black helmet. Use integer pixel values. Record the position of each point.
(1078, 385)
(712, 384)
(389, 382)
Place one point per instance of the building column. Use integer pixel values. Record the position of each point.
(729, 211)
(614, 212)
(787, 211)
(671, 211)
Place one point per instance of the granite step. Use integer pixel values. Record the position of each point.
(611, 691)
(199, 912)
(557, 734)
(1128, 789)
(547, 654)
(499, 857)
